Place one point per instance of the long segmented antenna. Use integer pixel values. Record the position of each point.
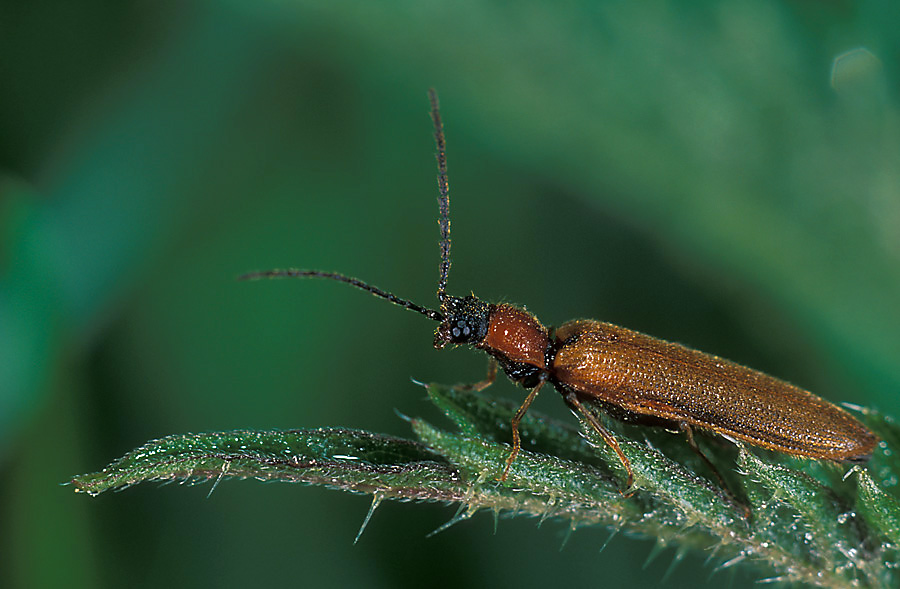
(292, 273)
(443, 195)
(444, 222)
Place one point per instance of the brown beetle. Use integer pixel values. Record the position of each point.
(633, 377)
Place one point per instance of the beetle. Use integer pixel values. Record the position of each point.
(633, 377)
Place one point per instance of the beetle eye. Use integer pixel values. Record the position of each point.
(460, 331)
(465, 321)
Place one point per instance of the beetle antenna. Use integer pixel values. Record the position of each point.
(443, 222)
(443, 195)
(292, 273)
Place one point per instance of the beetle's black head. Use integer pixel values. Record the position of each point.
(465, 321)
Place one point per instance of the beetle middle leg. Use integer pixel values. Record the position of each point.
(572, 401)
(693, 444)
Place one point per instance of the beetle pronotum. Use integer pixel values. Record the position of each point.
(632, 376)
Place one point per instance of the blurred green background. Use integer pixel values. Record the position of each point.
(724, 174)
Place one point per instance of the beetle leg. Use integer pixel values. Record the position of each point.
(517, 441)
(610, 440)
(693, 444)
(488, 380)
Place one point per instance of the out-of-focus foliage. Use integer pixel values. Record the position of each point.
(721, 174)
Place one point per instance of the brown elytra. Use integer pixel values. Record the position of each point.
(633, 377)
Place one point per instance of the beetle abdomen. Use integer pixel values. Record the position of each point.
(648, 376)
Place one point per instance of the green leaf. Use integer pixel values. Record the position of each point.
(879, 487)
(879, 509)
(345, 459)
(808, 522)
